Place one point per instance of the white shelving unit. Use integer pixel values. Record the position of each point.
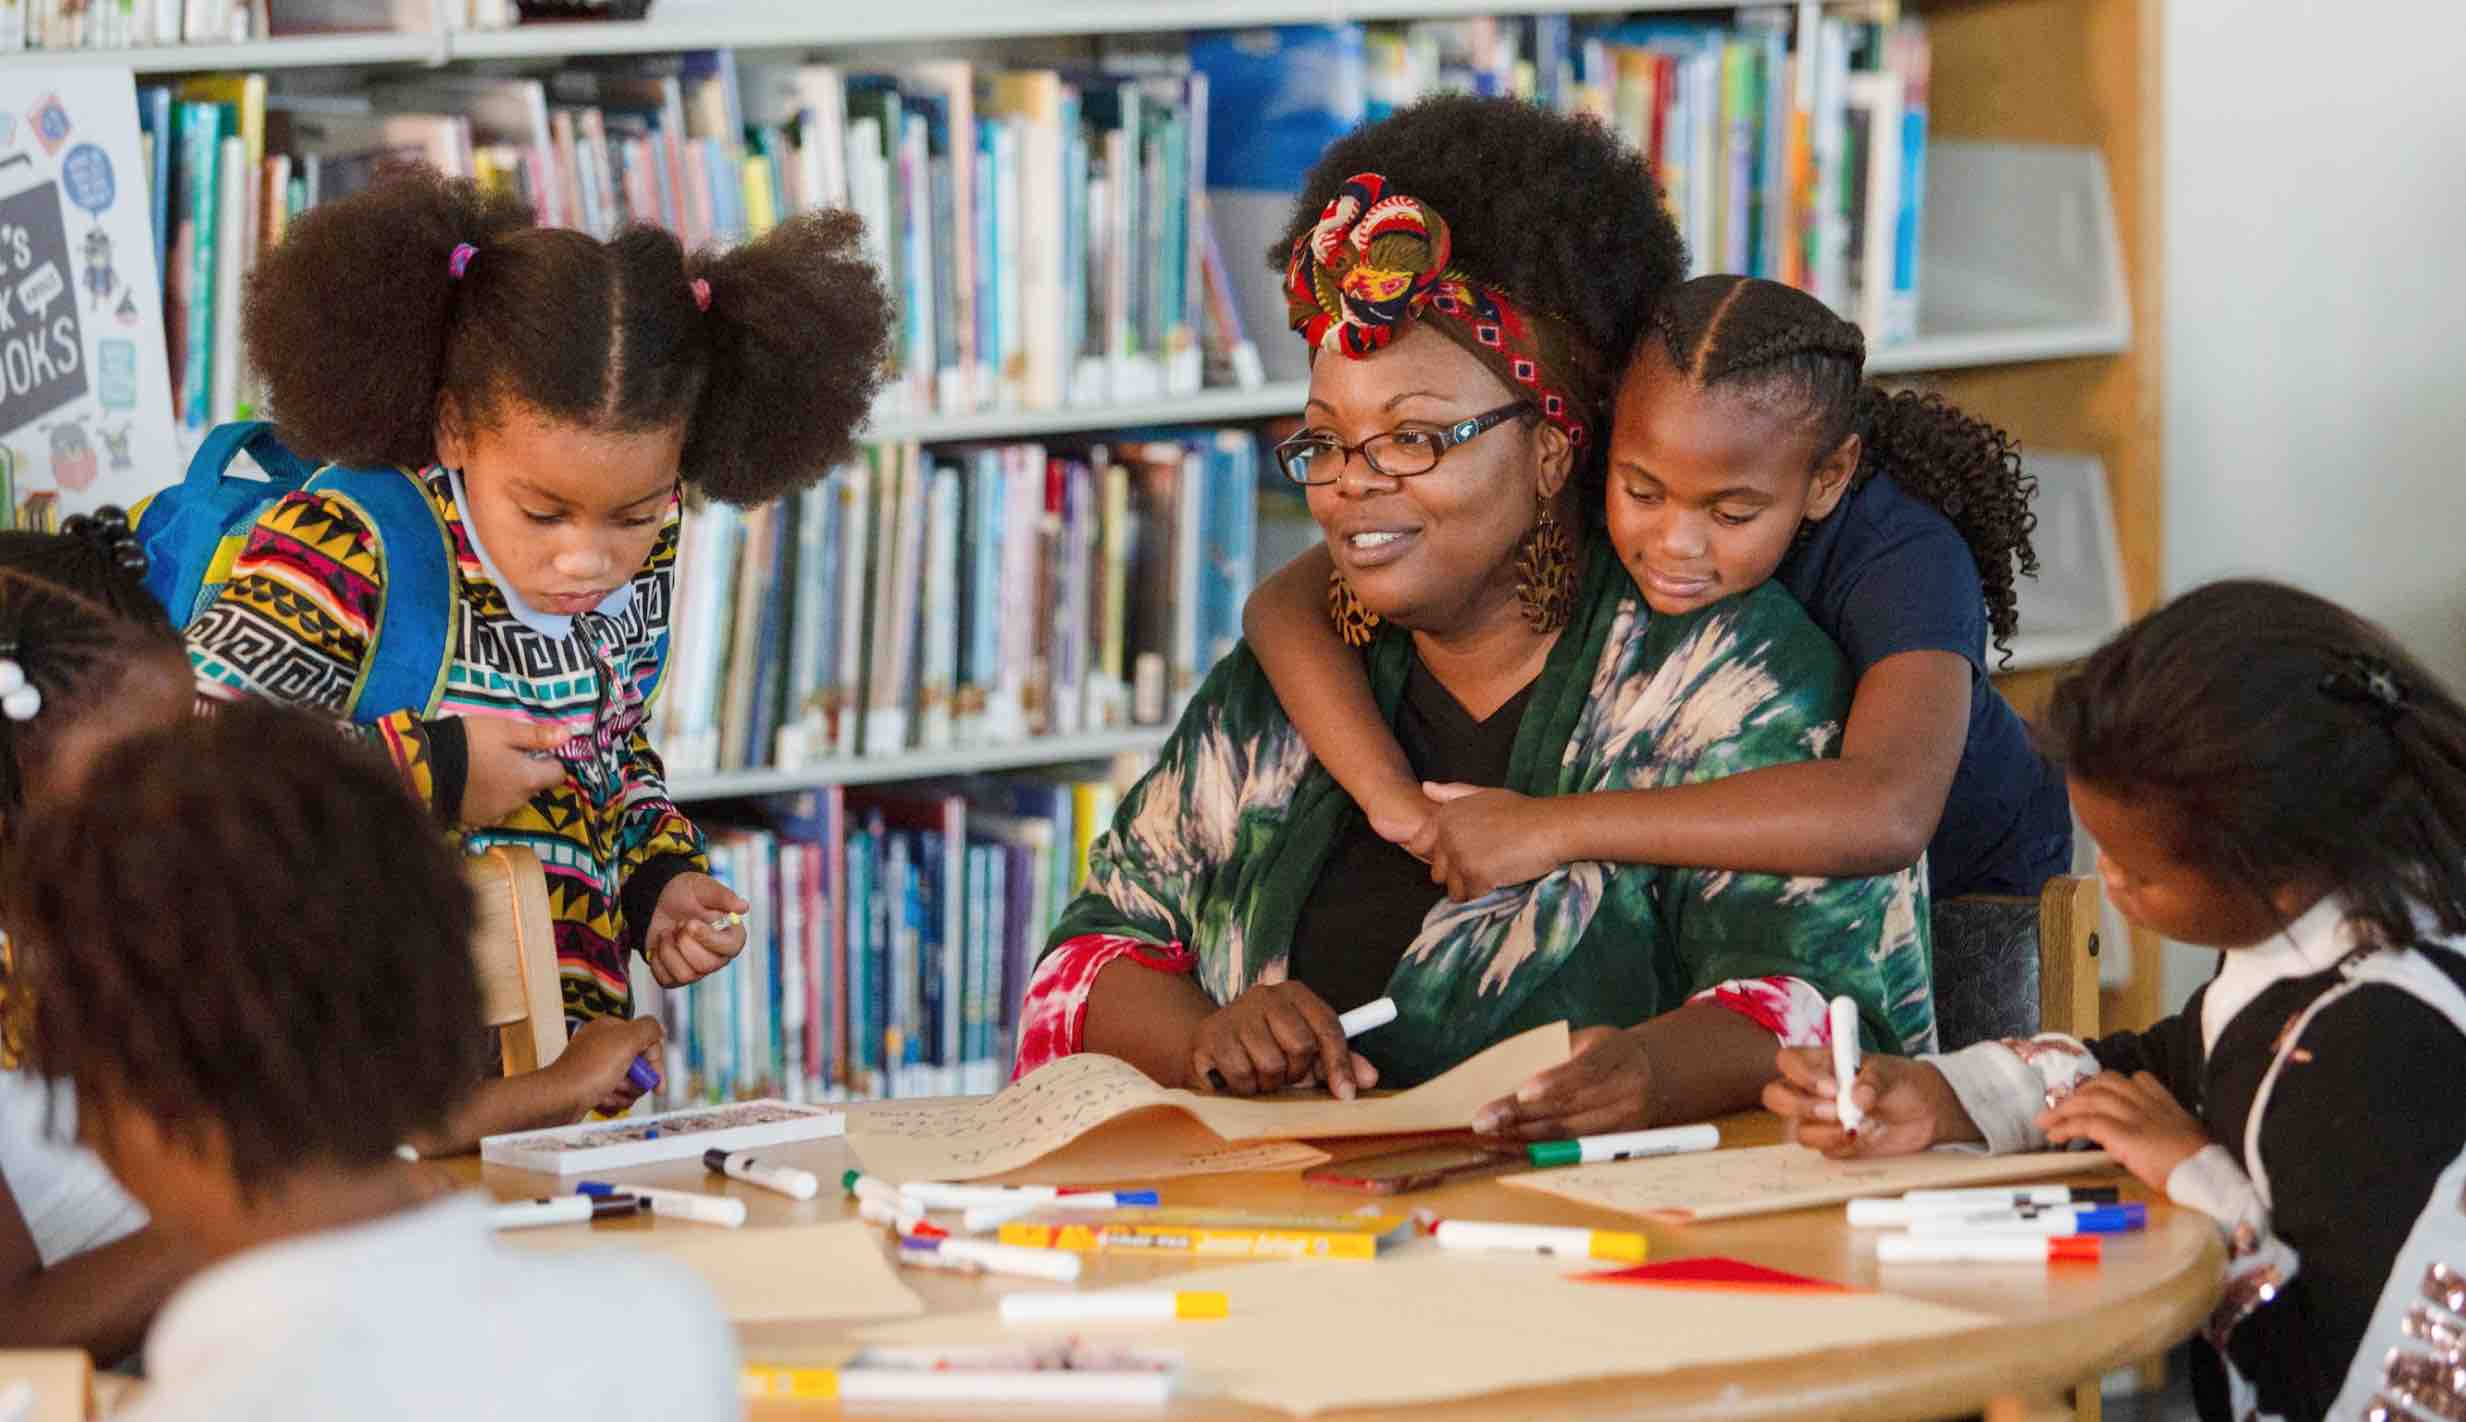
(920, 765)
(1207, 407)
(294, 52)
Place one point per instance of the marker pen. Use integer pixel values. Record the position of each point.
(935, 1195)
(564, 1209)
(677, 1204)
(1845, 1063)
(1987, 1249)
(866, 1187)
(1120, 1306)
(1373, 1014)
(905, 1218)
(2020, 1195)
(643, 1075)
(1626, 1145)
(1900, 1213)
(1617, 1246)
(2049, 1220)
(785, 1179)
(1031, 1385)
(1055, 1265)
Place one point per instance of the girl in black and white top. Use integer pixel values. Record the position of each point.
(2270, 775)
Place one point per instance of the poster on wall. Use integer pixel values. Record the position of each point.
(85, 392)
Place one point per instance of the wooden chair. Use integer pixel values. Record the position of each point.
(514, 947)
(2014, 967)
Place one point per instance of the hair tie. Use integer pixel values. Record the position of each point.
(702, 293)
(20, 699)
(460, 261)
(107, 531)
(2369, 682)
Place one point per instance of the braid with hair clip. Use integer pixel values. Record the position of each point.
(1765, 337)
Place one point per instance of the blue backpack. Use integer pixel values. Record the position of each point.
(194, 531)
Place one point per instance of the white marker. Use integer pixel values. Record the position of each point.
(1845, 1062)
(564, 1209)
(1367, 1016)
(935, 1195)
(2019, 1195)
(1121, 1306)
(785, 1179)
(904, 1217)
(1900, 1213)
(1055, 1265)
(1625, 1145)
(1612, 1245)
(979, 1218)
(1986, 1249)
(674, 1204)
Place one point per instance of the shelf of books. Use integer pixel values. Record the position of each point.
(286, 52)
(882, 687)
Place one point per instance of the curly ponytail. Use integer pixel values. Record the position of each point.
(348, 319)
(798, 322)
(1729, 329)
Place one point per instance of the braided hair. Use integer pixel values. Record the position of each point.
(77, 623)
(1778, 342)
(316, 926)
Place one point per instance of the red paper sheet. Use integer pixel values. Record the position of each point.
(1710, 1272)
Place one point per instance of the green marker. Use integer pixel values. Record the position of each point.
(1630, 1145)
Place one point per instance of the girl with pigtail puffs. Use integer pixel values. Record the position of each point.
(556, 397)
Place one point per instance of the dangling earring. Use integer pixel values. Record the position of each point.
(1356, 624)
(1545, 574)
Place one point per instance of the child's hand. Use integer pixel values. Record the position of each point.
(691, 935)
(2132, 1118)
(1909, 1106)
(596, 1059)
(1476, 840)
(509, 761)
(1605, 1085)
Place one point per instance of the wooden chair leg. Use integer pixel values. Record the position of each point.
(2150, 1373)
(2018, 1408)
(2087, 1403)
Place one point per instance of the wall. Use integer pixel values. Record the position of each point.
(2315, 311)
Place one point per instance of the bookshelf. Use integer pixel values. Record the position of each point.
(1037, 754)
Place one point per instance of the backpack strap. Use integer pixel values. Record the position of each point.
(408, 657)
(208, 505)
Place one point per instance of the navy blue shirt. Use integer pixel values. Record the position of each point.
(1886, 574)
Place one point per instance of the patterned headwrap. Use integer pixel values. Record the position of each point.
(1377, 260)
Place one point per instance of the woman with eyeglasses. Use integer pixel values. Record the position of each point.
(1468, 274)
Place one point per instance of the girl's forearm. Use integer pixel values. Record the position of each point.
(1324, 690)
(1831, 818)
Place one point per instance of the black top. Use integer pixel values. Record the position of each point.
(1886, 574)
(1371, 896)
(2359, 1129)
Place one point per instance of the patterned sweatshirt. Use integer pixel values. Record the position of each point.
(296, 622)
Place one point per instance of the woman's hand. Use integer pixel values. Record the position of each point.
(2132, 1118)
(507, 763)
(1273, 1036)
(692, 933)
(593, 1067)
(1908, 1105)
(1606, 1084)
(1476, 840)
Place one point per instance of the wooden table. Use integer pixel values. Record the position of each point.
(2058, 1328)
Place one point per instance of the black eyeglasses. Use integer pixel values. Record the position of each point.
(1398, 454)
